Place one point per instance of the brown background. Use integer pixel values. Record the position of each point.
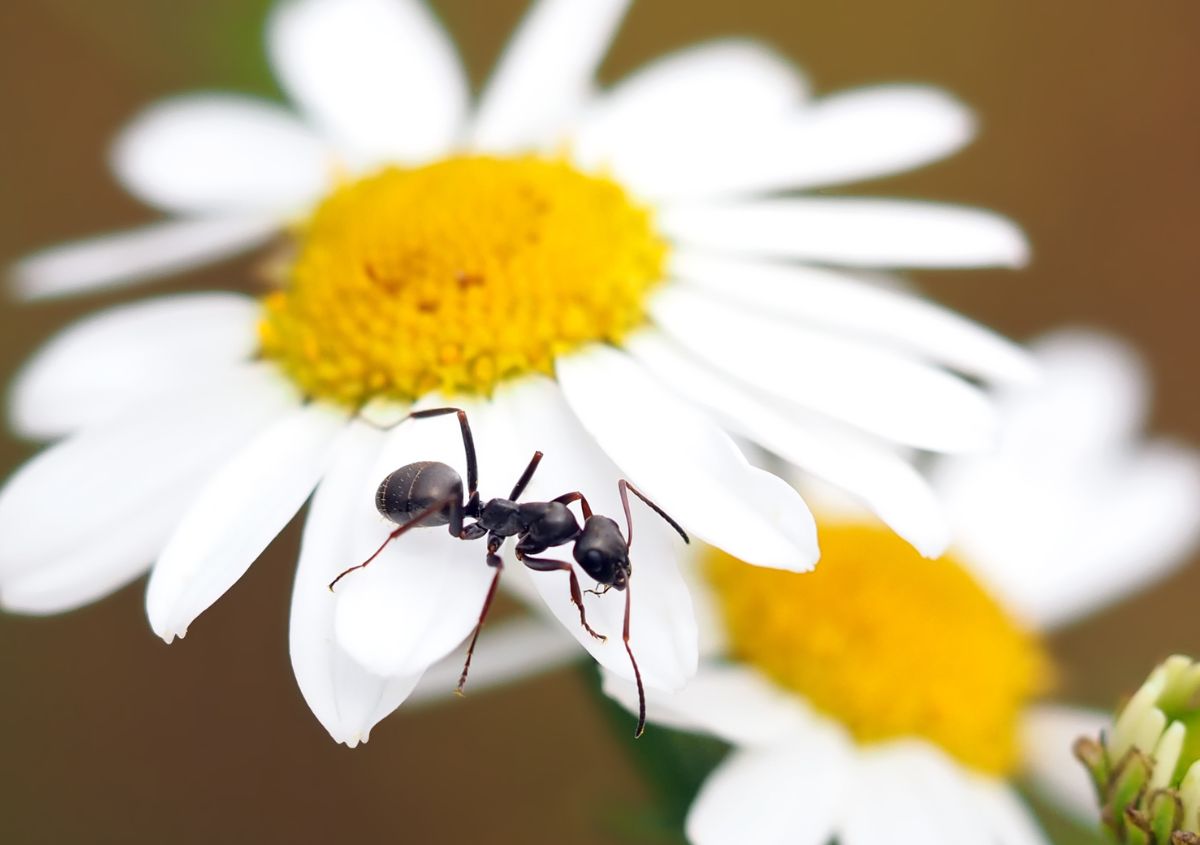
(1090, 138)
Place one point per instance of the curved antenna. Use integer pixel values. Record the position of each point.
(625, 486)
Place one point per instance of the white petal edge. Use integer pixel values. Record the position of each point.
(730, 701)
(380, 77)
(917, 796)
(96, 367)
(92, 512)
(855, 135)
(545, 73)
(1047, 737)
(1008, 820)
(686, 464)
(236, 515)
(663, 633)
(137, 255)
(713, 95)
(346, 699)
(859, 232)
(874, 473)
(422, 596)
(212, 153)
(873, 388)
(789, 794)
(840, 301)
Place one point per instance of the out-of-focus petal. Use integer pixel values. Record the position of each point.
(789, 794)
(214, 153)
(380, 77)
(545, 73)
(137, 255)
(1047, 738)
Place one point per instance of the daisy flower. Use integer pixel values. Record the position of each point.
(608, 276)
(886, 698)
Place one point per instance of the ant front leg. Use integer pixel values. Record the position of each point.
(494, 561)
(545, 564)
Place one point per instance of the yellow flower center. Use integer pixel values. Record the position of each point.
(457, 275)
(887, 643)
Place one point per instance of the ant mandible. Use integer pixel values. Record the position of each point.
(430, 494)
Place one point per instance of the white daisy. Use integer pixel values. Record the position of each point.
(885, 698)
(437, 254)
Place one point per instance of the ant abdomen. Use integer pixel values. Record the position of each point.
(416, 487)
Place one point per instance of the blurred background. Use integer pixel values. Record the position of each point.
(1090, 138)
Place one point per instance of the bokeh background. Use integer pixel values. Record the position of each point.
(1090, 138)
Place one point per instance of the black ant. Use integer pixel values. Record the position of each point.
(430, 494)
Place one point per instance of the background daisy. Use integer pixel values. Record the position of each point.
(891, 700)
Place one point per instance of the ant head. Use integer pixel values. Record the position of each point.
(605, 568)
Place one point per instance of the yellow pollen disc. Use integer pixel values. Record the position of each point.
(457, 275)
(887, 643)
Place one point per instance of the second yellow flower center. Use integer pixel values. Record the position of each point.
(887, 643)
(457, 275)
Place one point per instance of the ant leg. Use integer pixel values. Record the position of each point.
(545, 564)
(637, 674)
(468, 442)
(494, 561)
(625, 487)
(526, 476)
(412, 523)
(567, 498)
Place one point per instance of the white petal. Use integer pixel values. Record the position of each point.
(545, 73)
(91, 513)
(1057, 546)
(1008, 820)
(136, 255)
(663, 633)
(730, 701)
(213, 153)
(873, 388)
(507, 652)
(422, 596)
(236, 515)
(344, 697)
(910, 794)
(840, 301)
(702, 101)
(686, 464)
(856, 135)
(790, 794)
(1047, 739)
(876, 474)
(856, 232)
(379, 76)
(98, 366)
(1093, 398)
